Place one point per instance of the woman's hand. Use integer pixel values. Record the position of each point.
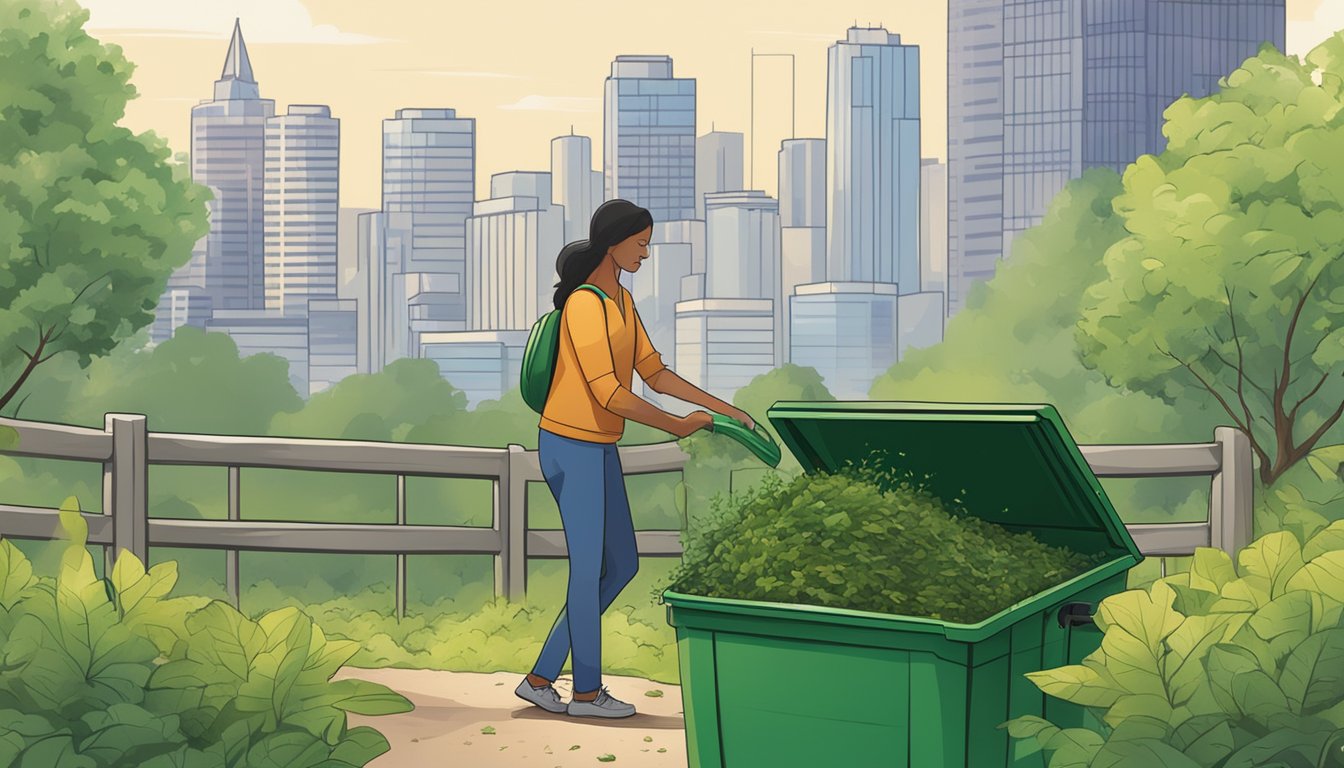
(740, 415)
(691, 423)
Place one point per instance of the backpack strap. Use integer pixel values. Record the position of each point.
(595, 289)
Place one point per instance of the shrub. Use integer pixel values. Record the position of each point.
(857, 540)
(1226, 666)
(112, 672)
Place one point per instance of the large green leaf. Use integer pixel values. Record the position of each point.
(16, 576)
(1133, 707)
(1183, 665)
(1278, 627)
(1073, 748)
(288, 749)
(1324, 574)
(1313, 674)
(1036, 731)
(1122, 752)
(126, 734)
(54, 752)
(1137, 624)
(1331, 539)
(1243, 686)
(1206, 739)
(184, 757)
(288, 634)
(1083, 685)
(1211, 570)
(1286, 747)
(1271, 561)
(363, 698)
(360, 746)
(142, 599)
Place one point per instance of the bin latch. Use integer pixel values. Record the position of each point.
(1076, 615)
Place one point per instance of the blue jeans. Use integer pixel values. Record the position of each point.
(588, 485)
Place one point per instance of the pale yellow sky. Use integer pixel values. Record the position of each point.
(526, 70)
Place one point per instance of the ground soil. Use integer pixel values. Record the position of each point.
(453, 708)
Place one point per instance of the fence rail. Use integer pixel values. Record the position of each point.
(126, 449)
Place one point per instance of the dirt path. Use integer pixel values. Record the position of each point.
(452, 708)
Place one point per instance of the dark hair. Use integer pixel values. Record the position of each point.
(612, 222)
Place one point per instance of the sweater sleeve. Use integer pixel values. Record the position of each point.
(586, 324)
(647, 360)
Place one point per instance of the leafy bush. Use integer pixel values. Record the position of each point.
(112, 672)
(858, 540)
(1226, 666)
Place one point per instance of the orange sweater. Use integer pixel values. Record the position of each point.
(595, 360)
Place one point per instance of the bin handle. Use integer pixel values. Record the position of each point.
(1076, 615)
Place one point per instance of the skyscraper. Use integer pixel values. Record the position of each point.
(383, 251)
(742, 245)
(512, 240)
(649, 136)
(802, 222)
(872, 135)
(1070, 86)
(718, 165)
(228, 136)
(975, 91)
(933, 225)
(301, 208)
(572, 183)
(429, 172)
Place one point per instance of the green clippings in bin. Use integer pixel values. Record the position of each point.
(757, 440)
(881, 546)
(912, 691)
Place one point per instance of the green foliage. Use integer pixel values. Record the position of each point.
(114, 672)
(1226, 665)
(1228, 288)
(859, 541)
(1016, 342)
(383, 406)
(194, 382)
(93, 218)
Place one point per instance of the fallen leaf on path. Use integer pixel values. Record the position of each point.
(654, 694)
(488, 730)
(648, 738)
(606, 758)
(576, 746)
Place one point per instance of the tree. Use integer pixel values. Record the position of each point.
(194, 382)
(93, 218)
(387, 405)
(1229, 287)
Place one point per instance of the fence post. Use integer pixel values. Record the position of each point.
(232, 579)
(401, 556)
(511, 521)
(125, 485)
(1232, 498)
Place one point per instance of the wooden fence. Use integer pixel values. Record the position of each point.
(126, 449)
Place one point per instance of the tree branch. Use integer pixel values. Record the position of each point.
(1281, 386)
(1293, 413)
(1255, 444)
(33, 361)
(1307, 445)
(1241, 360)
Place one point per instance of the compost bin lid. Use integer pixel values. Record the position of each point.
(1014, 465)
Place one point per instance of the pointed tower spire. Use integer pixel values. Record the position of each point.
(236, 81)
(237, 65)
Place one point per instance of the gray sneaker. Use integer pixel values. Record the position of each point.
(545, 697)
(605, 705)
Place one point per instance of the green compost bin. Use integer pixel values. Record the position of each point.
(770, 684)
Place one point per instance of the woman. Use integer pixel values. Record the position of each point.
(602, 345)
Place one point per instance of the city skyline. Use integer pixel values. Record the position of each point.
(366, 62)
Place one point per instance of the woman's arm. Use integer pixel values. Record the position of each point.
(667, 382)
(628, 405)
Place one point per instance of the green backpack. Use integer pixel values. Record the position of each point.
(543, 347)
